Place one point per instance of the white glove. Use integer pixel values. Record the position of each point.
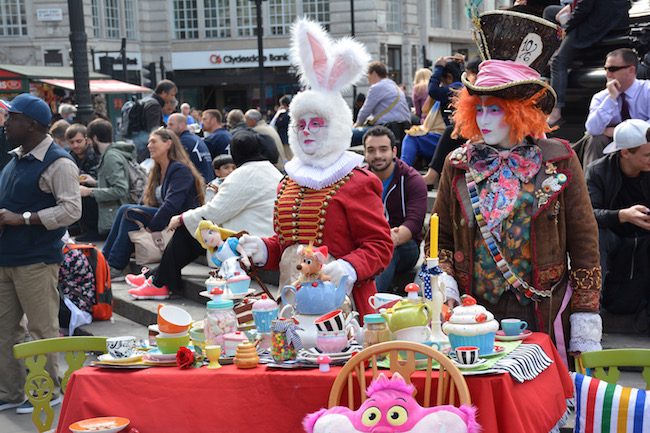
(451, 287)
(586, 332)
(255, 249)
(337, 269)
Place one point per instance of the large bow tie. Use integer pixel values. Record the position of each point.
(524, 161)
(506, 169)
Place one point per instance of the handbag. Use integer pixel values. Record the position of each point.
(149, 246)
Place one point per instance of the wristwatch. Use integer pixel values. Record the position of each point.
(26, 217)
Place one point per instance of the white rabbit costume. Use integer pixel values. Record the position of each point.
(326, 198)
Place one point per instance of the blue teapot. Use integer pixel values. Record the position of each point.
(315, 297)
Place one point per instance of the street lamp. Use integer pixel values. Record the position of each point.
(78, 41)
(260, 52)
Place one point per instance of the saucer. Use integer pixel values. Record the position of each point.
(227, 294)
(469, 366)
(501, 336)
(498, 350)
(105, 424)
(108, 359)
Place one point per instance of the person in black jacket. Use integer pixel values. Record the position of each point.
(152, 115)
(588, 24)
(619, 188)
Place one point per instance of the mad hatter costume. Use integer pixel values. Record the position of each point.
(513, 204)
(325, 197)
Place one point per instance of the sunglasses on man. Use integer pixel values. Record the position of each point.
(615, 68)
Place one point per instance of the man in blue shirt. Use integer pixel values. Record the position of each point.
(216, 137)
(194, 145)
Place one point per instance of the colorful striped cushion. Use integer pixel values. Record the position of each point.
(605, 408)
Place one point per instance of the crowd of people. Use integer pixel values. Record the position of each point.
(514, 204)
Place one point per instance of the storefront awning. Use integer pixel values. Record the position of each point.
(100, 86)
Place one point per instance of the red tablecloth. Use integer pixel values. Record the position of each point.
(170, 400)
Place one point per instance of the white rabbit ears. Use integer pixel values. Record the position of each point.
(323, 64)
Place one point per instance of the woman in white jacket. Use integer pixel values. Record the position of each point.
(244, 202)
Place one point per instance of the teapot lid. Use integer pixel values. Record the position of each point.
(221, 304)
(264, 304)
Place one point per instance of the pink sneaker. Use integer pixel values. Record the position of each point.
(136, 281)
(149, 291)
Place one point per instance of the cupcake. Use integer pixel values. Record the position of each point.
(471, 325)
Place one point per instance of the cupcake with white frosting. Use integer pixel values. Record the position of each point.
(471, 324)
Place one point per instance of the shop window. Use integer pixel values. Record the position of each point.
(393, 16)
(112, 18)
(394, 63)
(97, 26)
(317, 10)
(217, 18)
(282, 15)
(246, 18)
(130, 18)
(13, 21)
(186, 21)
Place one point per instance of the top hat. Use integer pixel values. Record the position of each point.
(515, 48)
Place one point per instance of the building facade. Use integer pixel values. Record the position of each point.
(209, 47)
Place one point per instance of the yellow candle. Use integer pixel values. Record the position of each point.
(433, 236)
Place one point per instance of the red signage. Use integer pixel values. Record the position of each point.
(11, 84)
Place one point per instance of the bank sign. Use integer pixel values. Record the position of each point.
(228, 59)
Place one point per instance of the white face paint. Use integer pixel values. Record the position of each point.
(489, 119)
(312, 132)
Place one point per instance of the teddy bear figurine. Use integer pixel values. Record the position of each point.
(311, 264)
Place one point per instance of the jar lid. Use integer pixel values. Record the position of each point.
(374, 318)
(222, 304)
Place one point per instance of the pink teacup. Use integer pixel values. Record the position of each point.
(331, 342)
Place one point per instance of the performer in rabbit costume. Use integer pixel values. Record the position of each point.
(326, 198)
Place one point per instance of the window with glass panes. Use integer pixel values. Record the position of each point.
(12, 18)
(217, 18)
(112, 18)
(97, 26)
(436, 13)
(246, 18)
(393, 16)
(281, 15)
(130, 18)
(457, 13)
(186, 21)
(318, 10)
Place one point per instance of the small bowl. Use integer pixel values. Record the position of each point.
(168, 345)
(173, 320)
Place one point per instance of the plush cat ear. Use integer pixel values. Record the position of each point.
(322, 64)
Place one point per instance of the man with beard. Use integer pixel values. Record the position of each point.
(405, 202)
(39, 197)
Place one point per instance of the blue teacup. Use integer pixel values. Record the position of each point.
(512, 327)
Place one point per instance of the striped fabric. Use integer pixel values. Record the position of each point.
(606, 408)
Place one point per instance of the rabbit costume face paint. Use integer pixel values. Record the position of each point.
(312, 133)
(325, 68)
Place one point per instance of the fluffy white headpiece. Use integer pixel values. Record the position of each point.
(325, 67)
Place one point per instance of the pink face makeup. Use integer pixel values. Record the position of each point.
(312, 133)
(489, 119)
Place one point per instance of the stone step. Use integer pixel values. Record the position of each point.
(116, 326)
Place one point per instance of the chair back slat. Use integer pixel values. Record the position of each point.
(39, 385)
(605, 364)
(451, 387)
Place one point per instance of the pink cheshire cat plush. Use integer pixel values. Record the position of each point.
(391, 408)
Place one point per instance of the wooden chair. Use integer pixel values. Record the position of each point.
(449, 384)
(604, 364)
(39, 386)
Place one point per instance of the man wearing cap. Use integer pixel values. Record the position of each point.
(4, 146)
(619, 188)
(39, 198)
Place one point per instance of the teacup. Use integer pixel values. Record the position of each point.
(120, 347)
(331, 342)
(467, 355)
(379, 300)
(332, 321)
(419, 334)
(513, 326)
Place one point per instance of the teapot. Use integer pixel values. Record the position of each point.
(406, 314)
(307, 327)
(315, 297)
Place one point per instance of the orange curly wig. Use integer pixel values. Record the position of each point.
(523, 116)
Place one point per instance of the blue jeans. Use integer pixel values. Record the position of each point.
(405, 257)
(118, 247)
(424, 146)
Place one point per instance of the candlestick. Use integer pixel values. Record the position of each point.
(433, 236)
